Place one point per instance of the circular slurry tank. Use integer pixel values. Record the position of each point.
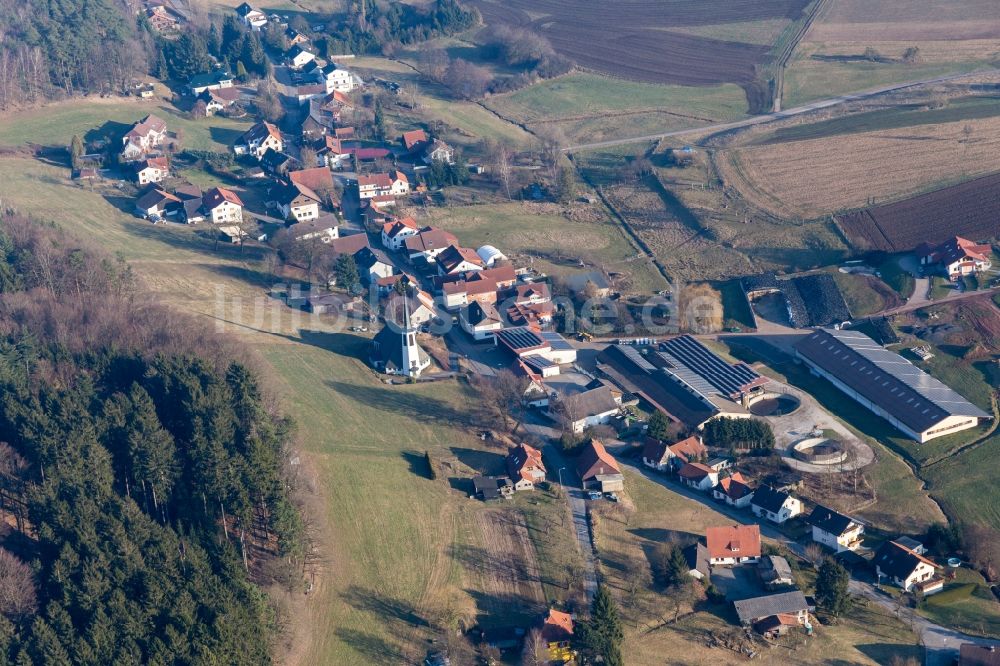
(774, 404)
(820, 451)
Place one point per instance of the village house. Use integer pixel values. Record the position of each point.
(296, 202)
(734, 490)
(219, 99)
(250, 17)
(557, 634)
(912, 544)
(393, 183)
(971, 654)
(332, 153)
(317, 179)
(525, 467)
(298, 56)
(151, 170)
(294, 36)
(328, 110)
(162, 19)
(454, 259)
(698, 476)
(414, 140)
(773, 614)
(459, 294)
(154, 203)
(731, 545)
(277, 164)
(143, 137)
(906, 568)
(774, 505)
(396, 231)
(324, 229)
(331, 303)
(835, 530)
(428, 243)
(664, 457)
(598, 469)
(481, 321)
(438, 151)
(222, 206)
(775, 572)
(488, 489)
(350, 244)
(373, 265)
(579, 411)
(332, 77)
(957, 257)
(258, 140)
(217, 80)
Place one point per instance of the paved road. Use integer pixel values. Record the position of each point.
(916, 304)
(578, 507)
(942, 643)
(770, 117)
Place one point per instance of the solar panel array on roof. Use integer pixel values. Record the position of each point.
(728, 379)
(632, 354)
(556, 341)
(885, 378)
(520, 337)
(538, 362)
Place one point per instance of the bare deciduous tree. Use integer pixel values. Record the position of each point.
(534, 652)
(17, 587)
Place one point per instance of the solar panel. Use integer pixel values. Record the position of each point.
(520, 337)
(633, 355)
(729, 379)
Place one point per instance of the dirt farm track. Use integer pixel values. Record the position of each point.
(633, 39)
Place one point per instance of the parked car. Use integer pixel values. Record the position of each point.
(594, 495)
(612, 496)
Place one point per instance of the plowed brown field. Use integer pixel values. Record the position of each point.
(632, 39)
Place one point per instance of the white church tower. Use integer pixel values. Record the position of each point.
(395, 350)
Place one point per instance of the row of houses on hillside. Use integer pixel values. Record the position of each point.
(188, 204)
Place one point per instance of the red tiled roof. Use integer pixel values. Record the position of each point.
(215, 196)
(595, 460)
(414, 138)
(430, 238)
(557, 626)
(733, 541)
(689, 448)
(379, 180)
(350, 244)
(735, 486)
(695, 471)
(316, 178)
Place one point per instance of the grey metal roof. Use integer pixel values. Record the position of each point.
(751, 610)
(556, 341)
(885, 378)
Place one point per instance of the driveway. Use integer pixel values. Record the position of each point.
(578, 506)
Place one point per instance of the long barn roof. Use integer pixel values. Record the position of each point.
(885, 378)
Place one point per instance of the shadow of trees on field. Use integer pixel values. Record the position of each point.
(396, 611)
(506, 566)
(486, 463)
(418, 464)
(376, 650)
(224, 135)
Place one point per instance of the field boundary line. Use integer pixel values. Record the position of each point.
(630, 231)
(781, 62)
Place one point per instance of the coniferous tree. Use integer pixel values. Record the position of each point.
(602, 635)
(75, 151)
(832, 583)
